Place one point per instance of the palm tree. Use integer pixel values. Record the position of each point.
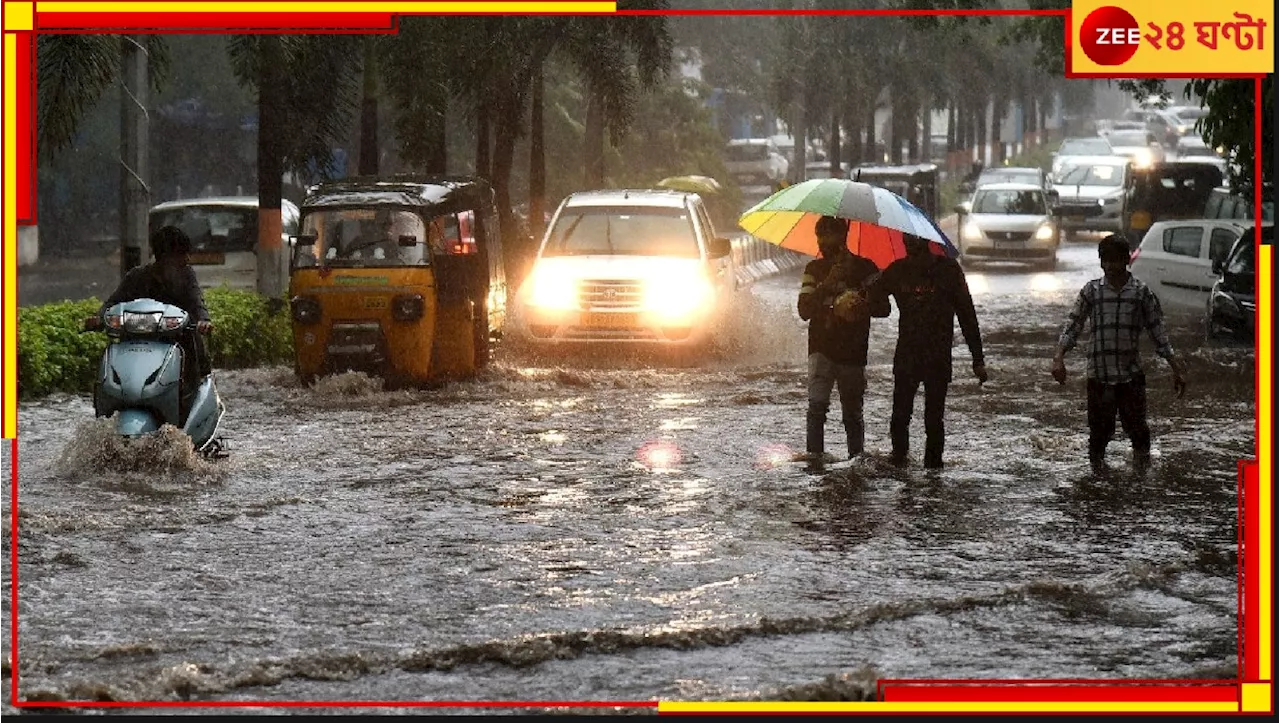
(306, 85)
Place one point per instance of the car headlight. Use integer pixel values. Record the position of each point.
(1045, 232)
(1143, 158)
(971, 231)
(553, 288)
(678, 297)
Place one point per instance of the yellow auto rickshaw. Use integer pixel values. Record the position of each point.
(399, 277)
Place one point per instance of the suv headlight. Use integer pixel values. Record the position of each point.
(553, 288)
(1045, 232)
(971, 230)
(678, 297)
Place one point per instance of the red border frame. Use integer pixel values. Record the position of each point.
(897, 690)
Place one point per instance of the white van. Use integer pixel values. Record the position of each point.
(224, 233)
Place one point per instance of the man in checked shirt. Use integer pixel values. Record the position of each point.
(1118, 308)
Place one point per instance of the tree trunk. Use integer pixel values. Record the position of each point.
(801, 135)
(980, 131)
(135, 180)
(537, 156)
(894, 141)
(272, 141)
(869, 154)
(926, 131)
(1043, 110)
(437, 160)
(953, 136)
(593, 141)
(913, 132)
(369, 112)
(505, 128)
(483, 169)
(998, 108)
(854, 123)
(833, 146)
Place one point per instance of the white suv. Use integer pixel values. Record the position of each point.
(755, 162)
(627, 266)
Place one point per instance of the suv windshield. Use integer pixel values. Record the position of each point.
(1091, 175)
(623, 230)
(361, 237)
(1085, 147)
(1009, 202)
(212, 228)
(747, 152)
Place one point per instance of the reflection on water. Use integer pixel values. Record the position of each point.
(633, 530)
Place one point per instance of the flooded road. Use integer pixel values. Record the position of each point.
(613, 530)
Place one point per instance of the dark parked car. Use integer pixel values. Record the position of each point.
(1233, 300)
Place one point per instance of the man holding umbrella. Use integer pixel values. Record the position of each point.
(931, 292)
(838, 333)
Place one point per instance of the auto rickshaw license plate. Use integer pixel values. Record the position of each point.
(375, 302)
(608, 321)
(206, 258)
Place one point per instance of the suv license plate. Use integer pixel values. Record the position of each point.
(598, 320)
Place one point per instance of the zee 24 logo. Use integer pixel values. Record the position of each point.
(1110, 35)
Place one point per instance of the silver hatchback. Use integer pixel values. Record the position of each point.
(1009, 221)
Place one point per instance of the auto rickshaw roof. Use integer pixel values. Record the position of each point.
(402, 190)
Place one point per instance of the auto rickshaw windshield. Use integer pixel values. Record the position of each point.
(362, 238)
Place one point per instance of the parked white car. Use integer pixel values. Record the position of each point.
(1176, 258)
(224, 236)
(628, 267)
(755, 162)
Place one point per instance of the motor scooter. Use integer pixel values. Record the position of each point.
(139, 379)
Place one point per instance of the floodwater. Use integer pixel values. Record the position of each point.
(623, 530)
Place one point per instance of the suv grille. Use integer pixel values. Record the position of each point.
(610, 294)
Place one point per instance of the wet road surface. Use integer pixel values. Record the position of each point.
(621, 529)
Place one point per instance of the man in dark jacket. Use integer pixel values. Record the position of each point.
(931, 292)
(170, 280)
(837, 339)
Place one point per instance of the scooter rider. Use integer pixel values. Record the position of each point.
(170, 280)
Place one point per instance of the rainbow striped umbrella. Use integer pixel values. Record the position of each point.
(878, 219)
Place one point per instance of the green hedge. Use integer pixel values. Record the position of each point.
(53, 356)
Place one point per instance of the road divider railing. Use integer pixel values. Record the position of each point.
(756, 259)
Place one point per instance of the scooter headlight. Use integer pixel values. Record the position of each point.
(305, 309)
(139, 323)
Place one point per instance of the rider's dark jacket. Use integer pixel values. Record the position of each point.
(147, 282)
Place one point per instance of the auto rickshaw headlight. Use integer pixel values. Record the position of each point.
(305, 309)
(407, 307)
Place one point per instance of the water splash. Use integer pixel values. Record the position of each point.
(166, 456)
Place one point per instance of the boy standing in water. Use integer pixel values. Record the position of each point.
(1118, 307)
